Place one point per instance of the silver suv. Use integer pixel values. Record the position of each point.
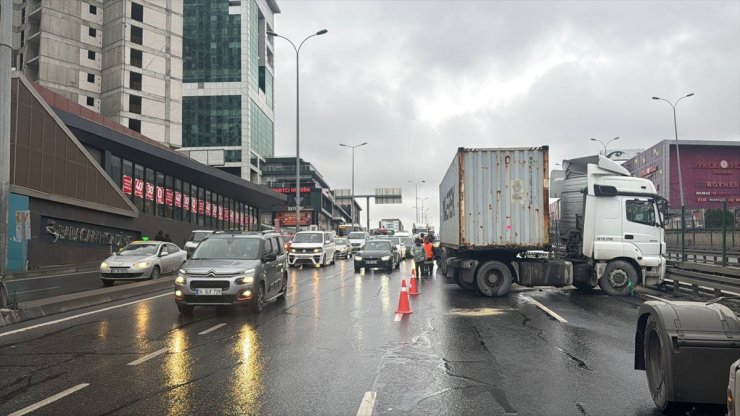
(233, 269)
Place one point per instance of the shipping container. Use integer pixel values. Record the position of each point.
(496, 198)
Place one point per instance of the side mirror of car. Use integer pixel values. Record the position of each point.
(270, 257)
(164, 253)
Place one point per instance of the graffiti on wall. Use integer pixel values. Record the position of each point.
(56, 230)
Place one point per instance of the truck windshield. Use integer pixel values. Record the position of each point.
(356, 236)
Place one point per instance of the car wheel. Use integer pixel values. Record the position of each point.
(108, 283)
(357, 269)
(619, 279)
(155, 273)
(284, 289)
(185, 309)
(334, 258)
(259, 302)
(656, 369)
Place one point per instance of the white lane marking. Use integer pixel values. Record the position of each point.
(368, 402)
(49, 400)
(398, 317)
(211, 329)
(148, 357)
(37, 290)
(545, 309)
(25, 279)
(82, 314)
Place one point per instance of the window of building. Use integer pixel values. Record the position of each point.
(137, 12)
(159, 199)
(92, 32)
(208, 220)
(134, 81)
(90, 101)
(23, 37)
(23, 15)
(139, 181)
(136, 58)
(194, 212)
(186, 207)
(91, 78)
(148, 196)
(134, 125)
(232, 156)
(137, 35)
(128, 170)
(134, 104)
(93, 9)
(201, 202)
(115, 169)
(212, 120)
(207, 24)
(177, 211)
(91, 55)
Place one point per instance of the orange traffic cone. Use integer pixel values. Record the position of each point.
(403, 300)
(413, 273)
(414, 290)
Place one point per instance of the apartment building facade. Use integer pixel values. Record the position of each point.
(119, 58)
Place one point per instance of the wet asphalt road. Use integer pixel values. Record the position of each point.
(329, 343)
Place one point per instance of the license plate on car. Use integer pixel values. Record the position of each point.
(208, 292)
(371, 262)
(118, 270)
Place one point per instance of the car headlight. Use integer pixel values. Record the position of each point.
(385, 258)
(358, 258)
(317, 250)
(180, 280)
(104, 266)
(292, 250)
(247, 279)
(142, 264)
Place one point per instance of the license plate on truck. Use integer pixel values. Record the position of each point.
(208, 292)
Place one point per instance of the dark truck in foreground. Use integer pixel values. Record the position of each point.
(687, 350)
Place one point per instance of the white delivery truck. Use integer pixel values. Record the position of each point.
(495, 224)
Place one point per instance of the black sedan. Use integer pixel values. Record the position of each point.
(381, 254)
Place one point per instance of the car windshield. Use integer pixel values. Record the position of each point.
(228, 248)
(198, 236)
(139, 250)
(309, 238)
(377, 245)
(356, 236)
(340, 241)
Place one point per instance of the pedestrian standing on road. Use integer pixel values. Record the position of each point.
(428, 254)
(418, 253)
(159, 236)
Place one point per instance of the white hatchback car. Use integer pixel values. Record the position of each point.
(312, 247)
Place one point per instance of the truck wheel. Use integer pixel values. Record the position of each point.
(443, 262)
(493, 279)
(617, 277)
(656, 369)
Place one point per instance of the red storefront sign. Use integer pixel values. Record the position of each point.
(220, 213)
(231, 216)
(288, 218)
(126, 185)
(201, 207)
(160, 195)
(208, 208)
(186, 202)
(149, 191)
(194, 205)
(139, 188)
(286, 190)
(168, 197)
(178, 199)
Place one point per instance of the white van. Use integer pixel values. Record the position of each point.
(357, 240)
(312, 247)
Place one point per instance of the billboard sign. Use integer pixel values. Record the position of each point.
(711, 175)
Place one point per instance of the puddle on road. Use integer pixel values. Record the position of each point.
(476, 312)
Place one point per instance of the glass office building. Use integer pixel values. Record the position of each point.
(228, 118)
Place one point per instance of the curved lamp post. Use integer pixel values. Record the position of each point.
(604, 144)
(297, 124)
(352, 201)
(416, 195)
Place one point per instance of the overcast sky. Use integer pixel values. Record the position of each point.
(418, 79)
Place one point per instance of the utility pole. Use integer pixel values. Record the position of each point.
(6, 56)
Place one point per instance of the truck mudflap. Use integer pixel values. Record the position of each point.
(686, 349)
(543, 272)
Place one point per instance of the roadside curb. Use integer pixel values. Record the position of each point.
(52, 270)
(44, 307)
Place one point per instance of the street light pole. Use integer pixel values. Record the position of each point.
(422, 207)
(680, 179)
(604, 144)
(297, 123)
(416, 201)
(352, 201)
(6, 56)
